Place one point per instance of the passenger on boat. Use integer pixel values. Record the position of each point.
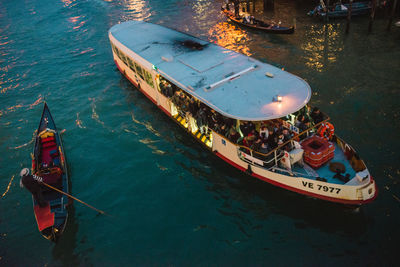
(263, 132)
(272, 139)
(32, 184)
(302, 123)
(246, 127)
(169, 92)
(166, 88)
(283, 138)
(221, 129)
(185, 104)
(233, 135)
(257, 144)
(162, 87)
(176, 99)
(201, 119)
(249, 139)
(193, 106)
(263, 148)
(317, 115)
(215, 120)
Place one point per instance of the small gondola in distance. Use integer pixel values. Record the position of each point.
(48, 162)
(340, 10)
(258, 24)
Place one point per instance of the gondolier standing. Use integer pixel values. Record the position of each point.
(33, 184)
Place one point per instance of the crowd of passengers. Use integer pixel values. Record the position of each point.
(262, 137)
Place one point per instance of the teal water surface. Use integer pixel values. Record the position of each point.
(172, 202)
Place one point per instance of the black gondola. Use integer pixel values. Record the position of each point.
(258, 24)
(48, 162)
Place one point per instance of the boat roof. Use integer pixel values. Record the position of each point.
(233, 84)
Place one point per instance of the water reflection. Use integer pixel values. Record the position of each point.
(201, 9)
(63, 251)
(68, 3)
(229, 36)
(136, 10)
(77, 21)
(251, 203)
(322, 46)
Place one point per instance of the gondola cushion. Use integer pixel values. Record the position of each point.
(47, 139)
(49, 144)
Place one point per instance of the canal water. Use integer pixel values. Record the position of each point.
(171, 202)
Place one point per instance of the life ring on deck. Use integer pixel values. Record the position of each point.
(326, 130)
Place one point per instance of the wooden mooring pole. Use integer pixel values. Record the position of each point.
(371, 19)
(327, 11)
(236, 6)
(349, 16)
(254, 6)
(248, 5)
(392, 15)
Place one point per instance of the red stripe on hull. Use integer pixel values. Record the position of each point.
(338, 200)
(331, 199)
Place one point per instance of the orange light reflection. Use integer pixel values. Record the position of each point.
(68, 2)
(323, 46)
(137, 10)
(229, 36)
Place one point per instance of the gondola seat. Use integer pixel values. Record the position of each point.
(47, 139)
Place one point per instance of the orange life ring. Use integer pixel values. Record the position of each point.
(326, 130)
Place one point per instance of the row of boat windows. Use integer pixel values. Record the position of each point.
(143, 73)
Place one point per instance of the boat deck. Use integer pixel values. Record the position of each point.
(324, 170)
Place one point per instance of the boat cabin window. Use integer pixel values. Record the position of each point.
(148, 78)
(130, 64)
(135, 67)
(139, 70)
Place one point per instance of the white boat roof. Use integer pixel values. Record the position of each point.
(229, 82)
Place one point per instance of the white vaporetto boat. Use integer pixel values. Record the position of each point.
(252, 115)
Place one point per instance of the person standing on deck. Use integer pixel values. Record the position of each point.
(33, 184)
(316, 115)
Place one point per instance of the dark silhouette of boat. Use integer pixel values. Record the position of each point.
(340, 10)
(256, 24)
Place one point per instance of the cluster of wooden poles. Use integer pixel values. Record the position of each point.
(372, 15)
(269, 4)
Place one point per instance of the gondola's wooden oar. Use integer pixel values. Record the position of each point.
(74, 198)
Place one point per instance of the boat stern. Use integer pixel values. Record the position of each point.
(368, 192)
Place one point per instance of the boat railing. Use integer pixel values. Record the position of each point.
(255, 157)
(275, 155)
